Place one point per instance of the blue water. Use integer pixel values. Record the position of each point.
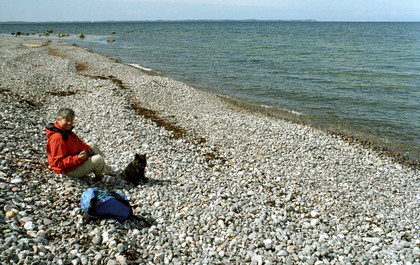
(362, 79)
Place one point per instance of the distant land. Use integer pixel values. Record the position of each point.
(184, 20)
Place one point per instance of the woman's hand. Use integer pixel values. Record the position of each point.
(82, 155)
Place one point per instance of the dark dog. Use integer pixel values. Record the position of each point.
(134, 172)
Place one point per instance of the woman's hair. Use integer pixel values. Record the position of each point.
(65, 113)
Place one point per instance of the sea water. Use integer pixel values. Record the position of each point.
(360, 79)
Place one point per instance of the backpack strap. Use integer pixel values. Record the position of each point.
(92, 205)
(102, 194)
(119, 198)
(64, 134)
(95, 200)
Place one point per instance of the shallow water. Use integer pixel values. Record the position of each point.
(362, 79)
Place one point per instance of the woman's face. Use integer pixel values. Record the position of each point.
(66, 123)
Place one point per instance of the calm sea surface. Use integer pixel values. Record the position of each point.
(362, 79)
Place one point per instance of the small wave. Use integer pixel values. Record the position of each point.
(141, 67)
(269, 107)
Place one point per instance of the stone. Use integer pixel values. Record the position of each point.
(120, 247)
(268, 243)
(10, 214)
(257, 259)
(105, 237)
(84, 260)
(221, 224)
(41, 234)
(113, 244)
(121, 259)
(98, 256)
(289, 197)
(29, 226)
(314, 222)
(159, 258)
(32, 234)
(97, 240)
(374, 240)
(315, 214)
(16, 180)
(112, 262)
(218, 240)
(25, 219)
(282, 253)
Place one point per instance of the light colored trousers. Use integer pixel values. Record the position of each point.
(95, 164)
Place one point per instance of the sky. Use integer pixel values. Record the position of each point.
(123, 10)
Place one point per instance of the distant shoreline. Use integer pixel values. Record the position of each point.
(163, 21)
(206, 20)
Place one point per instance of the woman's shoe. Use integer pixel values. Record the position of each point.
(107, 179)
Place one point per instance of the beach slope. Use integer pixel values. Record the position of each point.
(226, 184)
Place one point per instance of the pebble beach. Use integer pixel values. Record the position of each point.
(227, 185)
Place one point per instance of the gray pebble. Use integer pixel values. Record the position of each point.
(97, 240)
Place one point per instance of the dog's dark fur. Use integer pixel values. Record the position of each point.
(134, 172)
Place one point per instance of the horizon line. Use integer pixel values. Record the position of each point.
(206, 20)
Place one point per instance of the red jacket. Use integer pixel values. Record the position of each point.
(63, 148)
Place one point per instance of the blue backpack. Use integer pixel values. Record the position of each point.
(102, 204)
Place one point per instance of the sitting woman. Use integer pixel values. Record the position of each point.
(69, 155)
